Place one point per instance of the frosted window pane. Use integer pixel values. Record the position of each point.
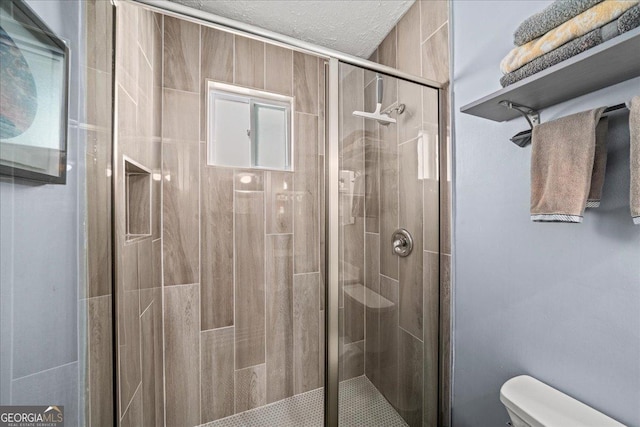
(231, 141)
(271, 137)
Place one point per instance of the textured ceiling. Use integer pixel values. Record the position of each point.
(351, 26)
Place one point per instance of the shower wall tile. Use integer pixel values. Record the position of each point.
(145, 273)
(279, 338)
(250, 388)
(99, 25)
(100, 368)
(351, 127)
(410, 378)
(372, 315)
(435, 56)
(388, 197)
(148, 365)
(126, 52)
(431, 262)
(372, 174)
(145, 91)
(98, 162)
(387, 53)
(249, 274)
(353, 317)
(216, 65)
(133, 415)
(372, 261)
(182, 354)
(158, 47)
(181, 115)
(249, 62)
(156, 191)
(434, 14)
(306, 187)
(158, 351)
(372, 345)
(126, 126)
(305, 332)
(431, 215)
(278, 70)
(408, 43)
(280, 195)
(156, 260)
(128, 346)
(181, 60)
(410, 200)
(371, 160)
(409, 122)
(99, 88)
(181, 166)
(146, 24)
(388, 360)
(352, 355)
(248, 180)
(305, 83)
(217, 374)
(432, 192)
(216, 242)
(369, 75)
(322, 75)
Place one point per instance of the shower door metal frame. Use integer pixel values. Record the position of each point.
(332, 143)
(332, 230)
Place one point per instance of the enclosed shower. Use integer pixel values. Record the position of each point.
(276, 243)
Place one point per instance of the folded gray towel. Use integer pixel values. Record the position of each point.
(626, 22)
(562, 159)
(599, 164)
(629, 20)
(553, 15)
(634, 133)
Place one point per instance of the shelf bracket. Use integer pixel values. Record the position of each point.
(532, 116)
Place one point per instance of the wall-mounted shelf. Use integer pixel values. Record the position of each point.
(610, 63)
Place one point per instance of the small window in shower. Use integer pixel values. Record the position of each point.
(248, 128)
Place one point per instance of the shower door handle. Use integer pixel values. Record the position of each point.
(402, 242)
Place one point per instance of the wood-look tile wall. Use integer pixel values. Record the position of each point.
(138, 263)
(242, 278)
(402, 344)
(98, 297)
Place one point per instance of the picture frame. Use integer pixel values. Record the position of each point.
(34, 92)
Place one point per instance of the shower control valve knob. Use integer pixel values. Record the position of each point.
(402, 242)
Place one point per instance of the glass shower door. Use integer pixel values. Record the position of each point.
(388, 250)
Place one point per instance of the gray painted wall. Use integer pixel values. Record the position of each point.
(42, 261)
(559, 302)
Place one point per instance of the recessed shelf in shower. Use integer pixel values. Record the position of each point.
(137, 200)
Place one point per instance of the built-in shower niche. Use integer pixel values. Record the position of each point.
(137, 200)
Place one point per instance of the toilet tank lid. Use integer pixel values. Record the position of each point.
(541, 405)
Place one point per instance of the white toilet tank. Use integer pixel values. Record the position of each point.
(532, 403)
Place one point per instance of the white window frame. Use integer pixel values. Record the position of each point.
(253, 97)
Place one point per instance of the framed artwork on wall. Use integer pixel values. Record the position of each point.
(34, 82)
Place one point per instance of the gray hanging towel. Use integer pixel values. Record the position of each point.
(562, 160)
(599, 164)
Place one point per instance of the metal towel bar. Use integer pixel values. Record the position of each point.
(522, 139)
